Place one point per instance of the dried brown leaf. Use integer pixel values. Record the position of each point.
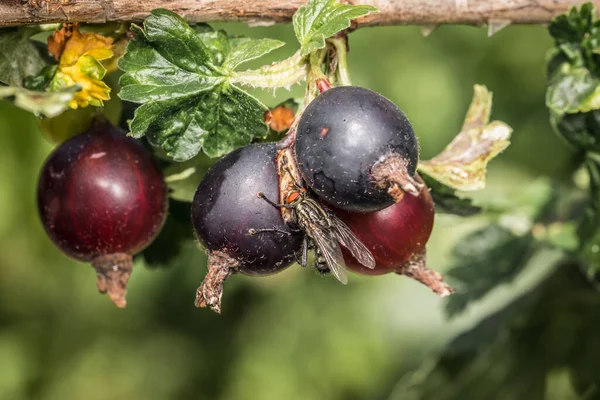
(462, 164)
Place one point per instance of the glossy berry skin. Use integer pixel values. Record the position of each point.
(101, 193)
(393, 234)
(226, 206)
(341, 135)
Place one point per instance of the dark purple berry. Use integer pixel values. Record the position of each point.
(356, 149)
(102, 199)
(226, 209)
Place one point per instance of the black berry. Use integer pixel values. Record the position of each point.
(226, 209)
(356, 149)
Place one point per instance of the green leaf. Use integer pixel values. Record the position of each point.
(217, 120)
(182, 79)
(573, 75)
(41, 81)
(485, 259)
(320, 19)
(48, 104)
(446, 200)
(577, 37)
(573, 26)
(582, 130)
(19, 56)
(202, 28)
(573, 97)
(573, 90)
(247, 49)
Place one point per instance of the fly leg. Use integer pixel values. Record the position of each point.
(262, 196)
(302, 260)
(289, 171)
(253, 231)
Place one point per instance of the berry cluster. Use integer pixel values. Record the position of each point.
(342, 183)
(347, 177)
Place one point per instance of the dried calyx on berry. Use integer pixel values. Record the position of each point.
(102, 199)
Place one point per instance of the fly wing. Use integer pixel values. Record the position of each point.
(349, 240)
(330, 251)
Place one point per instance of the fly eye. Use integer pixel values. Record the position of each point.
(291, 197)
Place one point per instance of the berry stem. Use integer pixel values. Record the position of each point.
(284, 73)
(316, 82)
(288, 140)
(341, 51)
(323, 85)
(210, 291)
(416, 268)
(316, 62)
(112, 274)
(315, 73)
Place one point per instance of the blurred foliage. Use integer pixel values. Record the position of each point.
(446, 200)
(573, 98)
(513, 353)
(297, 335)
(21, 57)
(485, 259)
(495, 254)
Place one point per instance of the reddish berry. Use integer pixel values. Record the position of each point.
(393, 234)
(102, 198)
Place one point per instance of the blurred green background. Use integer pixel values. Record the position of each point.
(295, 335)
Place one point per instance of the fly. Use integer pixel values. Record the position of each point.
(322, 228)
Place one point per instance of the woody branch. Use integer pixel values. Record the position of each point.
(266, 12)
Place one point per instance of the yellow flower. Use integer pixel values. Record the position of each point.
(80, 64)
